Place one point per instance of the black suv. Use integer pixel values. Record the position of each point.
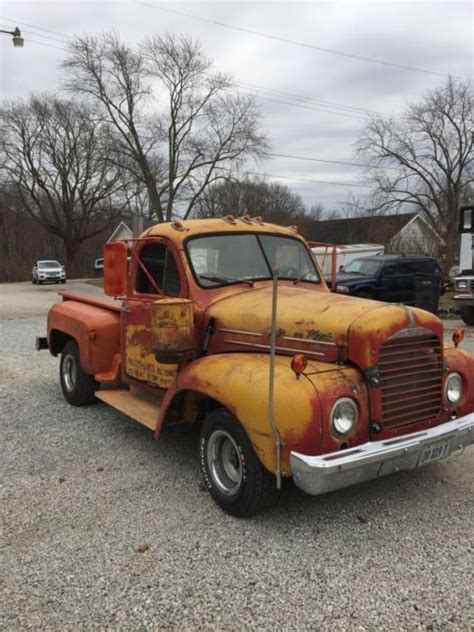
(390, 278)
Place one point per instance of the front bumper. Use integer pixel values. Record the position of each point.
(321, 474)
(467, 299)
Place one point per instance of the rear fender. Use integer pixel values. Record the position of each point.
(240, 383)
(96, 331)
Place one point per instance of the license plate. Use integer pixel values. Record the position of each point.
(434, 452)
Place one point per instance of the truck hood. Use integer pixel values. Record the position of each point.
(323, 325)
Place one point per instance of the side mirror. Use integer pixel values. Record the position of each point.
(115, 268)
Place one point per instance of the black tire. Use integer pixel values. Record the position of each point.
(63, 281)
(467, 314)
(244, 486)
(363, 294)
(33, 280)
(78, 387)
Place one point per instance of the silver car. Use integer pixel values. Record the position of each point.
(48, 272)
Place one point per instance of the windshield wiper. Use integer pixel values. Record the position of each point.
(303, 276)
(226, 280)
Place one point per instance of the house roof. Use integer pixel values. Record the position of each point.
(379, 228)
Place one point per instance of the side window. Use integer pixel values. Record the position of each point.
(161, 265)
(407, 268)
(389, 270)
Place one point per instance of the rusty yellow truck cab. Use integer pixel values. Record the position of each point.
(229, 325)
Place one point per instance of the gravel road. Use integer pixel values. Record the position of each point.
(82, 490)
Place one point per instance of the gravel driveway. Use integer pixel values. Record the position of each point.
(82, 490)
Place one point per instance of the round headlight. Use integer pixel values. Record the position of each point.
(344, 416)
(453, 388)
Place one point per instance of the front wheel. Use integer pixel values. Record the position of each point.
(232, 473)
(467, 314)
(78, 386)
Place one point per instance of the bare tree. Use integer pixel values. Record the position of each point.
(274, 202)
(424, 158)
(178, 144)
(54, 156)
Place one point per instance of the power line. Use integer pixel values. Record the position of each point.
(37, 28)
(307, 107)
(332, 162)
(30, 41)
(305, 99)
(294, 42)
(270, 175)
(53, 39)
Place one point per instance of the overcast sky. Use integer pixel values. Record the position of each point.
(431, 36)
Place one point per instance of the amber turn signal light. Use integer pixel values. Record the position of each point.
(299, 362)
(458, 337)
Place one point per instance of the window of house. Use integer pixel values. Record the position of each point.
(161, 265)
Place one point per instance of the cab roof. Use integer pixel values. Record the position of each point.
(180, 230)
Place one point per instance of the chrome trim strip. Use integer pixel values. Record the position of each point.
(267, 347)
(328, 472)
(307, 340)
(239, 331)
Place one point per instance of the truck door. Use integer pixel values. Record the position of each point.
(138, 359)
(406, 275)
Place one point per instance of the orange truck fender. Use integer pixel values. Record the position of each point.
(96, 331)
(240, 383)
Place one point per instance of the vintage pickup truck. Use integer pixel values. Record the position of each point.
(228, 325)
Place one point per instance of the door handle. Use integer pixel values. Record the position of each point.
(126, 309)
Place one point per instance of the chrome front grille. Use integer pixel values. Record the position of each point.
(411, 379)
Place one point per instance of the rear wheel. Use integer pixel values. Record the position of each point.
(78, 386)
(232, 473)
(467, 314)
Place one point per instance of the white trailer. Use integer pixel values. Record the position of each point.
(343, 254)
(464, 282)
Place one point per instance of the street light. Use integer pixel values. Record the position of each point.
(17, 39)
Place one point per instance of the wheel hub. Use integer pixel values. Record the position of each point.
(69, 372)
(224, 462)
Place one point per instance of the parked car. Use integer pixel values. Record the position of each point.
(48, 272)
(99, 267)
(390, 278)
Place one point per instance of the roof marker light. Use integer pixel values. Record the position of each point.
(177, 225)
(230, 219)
(258, 219)
(246, 218)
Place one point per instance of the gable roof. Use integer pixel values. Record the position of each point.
(354, 230)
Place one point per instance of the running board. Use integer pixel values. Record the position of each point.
(139, 406)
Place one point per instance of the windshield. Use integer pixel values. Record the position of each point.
(367, 267)
(48, 264)
(222, 259)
